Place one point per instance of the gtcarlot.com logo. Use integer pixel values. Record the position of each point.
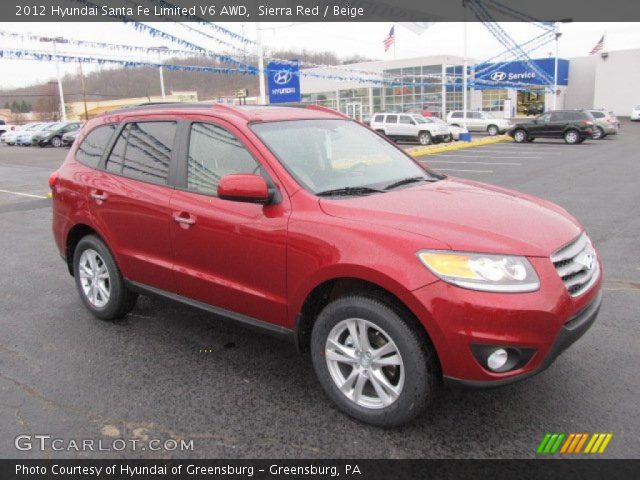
(569, 443)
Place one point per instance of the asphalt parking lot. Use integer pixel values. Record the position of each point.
(169, 371)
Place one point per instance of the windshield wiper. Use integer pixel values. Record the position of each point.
(406, 181)
(349, 191)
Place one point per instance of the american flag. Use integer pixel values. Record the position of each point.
(599, 46)
(390, 40)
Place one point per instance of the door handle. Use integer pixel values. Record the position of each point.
(184, 219)
(98, 196)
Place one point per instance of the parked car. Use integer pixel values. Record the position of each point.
(454, 131)
(53, 134)
(573, 125)
(306, 223)
(635, 113)
(10, 138)
(533, 109)
(606, 123)
(479, 122)
(70, 137)
(3, 136)
(6, 128)
(25, 136)
(406, 126)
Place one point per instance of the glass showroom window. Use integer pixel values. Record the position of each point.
(493, 100)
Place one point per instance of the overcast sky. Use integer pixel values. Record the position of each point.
(345, 39)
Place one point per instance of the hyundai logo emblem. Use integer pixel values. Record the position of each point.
(588, 260)
(282, 77)
(498, 76)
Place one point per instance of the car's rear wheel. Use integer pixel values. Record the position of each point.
(99, 282)
(371, 362)
(572, 137)
(492, 130)
(448, 138)
(520, 136)
(598, 133)
(425, 138)
(56, 141)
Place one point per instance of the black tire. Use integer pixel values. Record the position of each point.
(448, 138)
(493, 130)
(56, 142)
(571, 136)
(520, 135)
(425, 138)
(421, 372)
(381, 132)
(121, 300)
(599, 134)
(530, 139)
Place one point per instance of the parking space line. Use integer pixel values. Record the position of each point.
(475, 163)
(479, 156)
(31, 195)
(516, 150)
(468, 171)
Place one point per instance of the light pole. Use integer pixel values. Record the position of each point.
(555, 68)
(464, 67)
(160, 69)
(263, 95)
(55, 41)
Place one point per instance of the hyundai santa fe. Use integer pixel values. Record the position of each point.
(394, 278)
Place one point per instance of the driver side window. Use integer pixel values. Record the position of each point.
(213, 153)
(544, 118)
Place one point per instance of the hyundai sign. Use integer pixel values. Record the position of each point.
(519, 73)
(284, 82)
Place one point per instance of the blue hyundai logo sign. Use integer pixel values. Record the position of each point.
(284, 82)
(515, 74)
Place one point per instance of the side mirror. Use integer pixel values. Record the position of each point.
(244, 188)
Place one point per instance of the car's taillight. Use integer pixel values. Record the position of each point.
(53, 178)
(586, 122)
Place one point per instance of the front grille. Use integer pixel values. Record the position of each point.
(577, 265)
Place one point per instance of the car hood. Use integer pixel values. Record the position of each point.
(467, 216)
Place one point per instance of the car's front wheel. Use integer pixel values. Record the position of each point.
(99, 282)
(520, 136)
(56, 141)
(492, 130)
(598, 133)
(425, 138)
(372, 362)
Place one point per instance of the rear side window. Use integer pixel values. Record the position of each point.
(405, 120)
(456, 115)
(378, 118)
(143, 151)
(92, 147)
(213, 153)
(391, 119)
(598, 114)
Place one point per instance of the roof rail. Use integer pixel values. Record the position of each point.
(231, 108)
(321, 108)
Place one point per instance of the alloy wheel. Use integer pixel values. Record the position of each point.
(364, 363)
(56, 142)
(520, 136)
(571, 137)
(424, 138)
(94, 278)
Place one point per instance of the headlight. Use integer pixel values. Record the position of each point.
(480, 271)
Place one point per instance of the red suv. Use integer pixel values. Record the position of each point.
(312, 226)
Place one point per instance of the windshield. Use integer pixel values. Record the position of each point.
(419, 119)
(325, 155)
(55, 126)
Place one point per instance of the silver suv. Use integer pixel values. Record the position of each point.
(479, 122)
(409, 126)
(606, 123)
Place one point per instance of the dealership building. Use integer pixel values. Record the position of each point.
(607, 80)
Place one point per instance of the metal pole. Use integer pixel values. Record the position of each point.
(263, 95)
(84, 91)
(63, 112)
(555, 70)
(464, 68)
(162, 83)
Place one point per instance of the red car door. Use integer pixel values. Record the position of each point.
(130, 202)
(227, 254)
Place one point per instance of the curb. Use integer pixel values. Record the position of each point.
(431, 149)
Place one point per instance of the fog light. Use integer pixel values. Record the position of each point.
(497, 359)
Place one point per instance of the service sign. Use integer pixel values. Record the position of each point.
(491, 76)
(284, 82)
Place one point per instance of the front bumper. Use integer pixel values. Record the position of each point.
(543, 323)
(569, 334)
